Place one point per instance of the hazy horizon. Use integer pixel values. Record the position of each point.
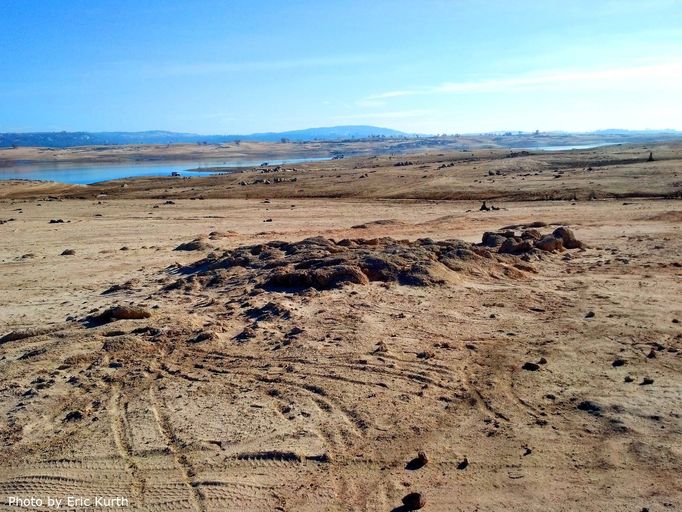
(426, 67)
(429, 134)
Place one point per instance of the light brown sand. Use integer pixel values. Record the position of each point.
(321, 420)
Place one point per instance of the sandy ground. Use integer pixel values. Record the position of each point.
(327, 399)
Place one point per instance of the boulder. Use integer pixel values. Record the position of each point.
(414, 501)
(549, 243)
(511, 246)
(568, 238)
(491, 239)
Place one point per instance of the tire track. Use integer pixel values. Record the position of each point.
(119, 428)
(166, 431)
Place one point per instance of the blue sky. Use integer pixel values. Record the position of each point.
(428, 66)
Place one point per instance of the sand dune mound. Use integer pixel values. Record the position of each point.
(378, 223)
(324, 264)
(194, 245)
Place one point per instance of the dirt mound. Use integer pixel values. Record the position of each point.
(324, 264)
(194, 245)
(31, 332)
(118, 312)
(128, 285)
(673, 216)
(217, 235)
(380, 222)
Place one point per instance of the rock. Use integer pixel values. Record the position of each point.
(414, 501)
(114, 333)
(510, 246)
(120, 313)
(568, 238)
(463, 464)
(268, 312)
(531, 234)
(549, 243)
(628, 379)
(651, 354)
(320, 279)
(204, 336)
(418, 462)
(73, 416)
(22, 334)
(484, 208)
(646, 381)
(295, 331)
(128, 313)
(589, 314)
(427, 354)
(618, 362)
(68, 252)
(381, 347)
(589, 407)
(56, 221)
(128, 285)
(245, 335)
(531, 367)
(492, 239)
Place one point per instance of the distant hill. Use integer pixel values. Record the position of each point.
(618, 131)
(69, 139)
(329, 133)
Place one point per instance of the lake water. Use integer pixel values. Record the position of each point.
(93, 173)
(565, 148)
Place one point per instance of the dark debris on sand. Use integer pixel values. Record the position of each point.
(324, 264)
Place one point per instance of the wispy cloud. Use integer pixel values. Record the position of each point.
(661, 74)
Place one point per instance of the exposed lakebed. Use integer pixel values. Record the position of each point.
(92, 173)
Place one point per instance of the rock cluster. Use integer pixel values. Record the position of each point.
(529, 240)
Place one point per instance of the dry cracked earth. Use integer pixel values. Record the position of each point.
(245, 373)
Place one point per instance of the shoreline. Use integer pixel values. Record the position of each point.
(579, 174)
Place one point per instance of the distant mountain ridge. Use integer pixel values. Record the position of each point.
(70, 139)
(331, 133)
(619, 131)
